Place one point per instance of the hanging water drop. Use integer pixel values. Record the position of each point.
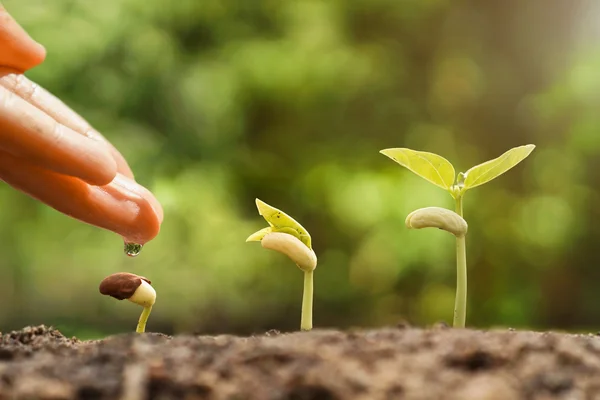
(132, 249)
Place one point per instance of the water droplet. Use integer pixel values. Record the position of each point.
(460, 181)
(132, 249)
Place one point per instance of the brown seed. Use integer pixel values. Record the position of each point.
(121, 285)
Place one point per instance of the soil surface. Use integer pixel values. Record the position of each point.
(391, 363)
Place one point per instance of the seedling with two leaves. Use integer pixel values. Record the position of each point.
(439, 171)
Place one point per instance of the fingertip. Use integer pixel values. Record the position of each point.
(32, 55)
(153, 229)
(146, 226)
(17, 48)
(148, 220)
(157, 208)
(37, 55)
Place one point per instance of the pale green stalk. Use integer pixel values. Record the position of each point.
(141, 326)
(307, 302)
(460, 305)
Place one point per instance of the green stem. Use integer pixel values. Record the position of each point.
(141, 326)
(307, 302)
(460, 305)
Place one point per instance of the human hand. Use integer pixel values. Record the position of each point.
(52, 154)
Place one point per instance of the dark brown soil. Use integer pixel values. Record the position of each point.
(391, 363)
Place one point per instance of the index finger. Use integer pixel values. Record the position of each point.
(36, 95)
(17, 49)
(29, 133)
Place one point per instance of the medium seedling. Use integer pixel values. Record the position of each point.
(134, 288)
(288, 237)
(440, 172)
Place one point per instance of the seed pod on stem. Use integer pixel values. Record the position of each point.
(437, 217)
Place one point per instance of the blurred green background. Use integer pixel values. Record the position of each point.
(217, 102)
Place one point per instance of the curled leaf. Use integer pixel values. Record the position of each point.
(483, 173)
(432, 167)
(437, 217)
(281, 222)
(259, 235)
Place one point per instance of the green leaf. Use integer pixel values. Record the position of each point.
(489, 170)
(259, 235)
(281, 222)
(436, 169)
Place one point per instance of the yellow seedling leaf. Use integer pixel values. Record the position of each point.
(489, 170)
(258, 236)
(281, 222)
(436, 169)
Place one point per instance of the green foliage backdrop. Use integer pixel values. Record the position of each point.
(216, 102)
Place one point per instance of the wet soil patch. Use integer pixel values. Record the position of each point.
(391, 363)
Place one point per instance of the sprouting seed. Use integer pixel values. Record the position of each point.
(135, 288)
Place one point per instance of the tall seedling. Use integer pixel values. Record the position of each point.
(440, 172)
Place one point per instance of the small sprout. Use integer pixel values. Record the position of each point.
(439, 171)
(288, 237)
(437, 217)
(135, 288)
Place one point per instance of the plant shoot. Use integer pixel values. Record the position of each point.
(288, 237)
(134, 288)
(439, 171)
